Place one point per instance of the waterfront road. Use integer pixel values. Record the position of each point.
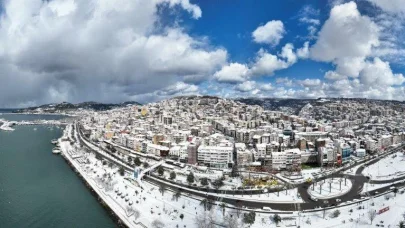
(358, 181)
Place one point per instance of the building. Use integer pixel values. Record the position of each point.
(215, 156)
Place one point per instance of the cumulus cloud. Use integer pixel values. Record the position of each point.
(379, 73)
(99, 50)
(266, 63)
(346, 39)
(246, 86)
(270, 33)
(232, 73)
(333, 76)
(310, 82)
(303, 52)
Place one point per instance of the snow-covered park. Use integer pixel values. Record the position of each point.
(330, 188)
(390, 167)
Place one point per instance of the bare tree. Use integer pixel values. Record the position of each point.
(232, 222)
(158, 224)
(238, 209)
(137, 214)
(371, 215)
(206, 220)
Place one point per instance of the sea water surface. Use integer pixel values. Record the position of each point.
(38, 188)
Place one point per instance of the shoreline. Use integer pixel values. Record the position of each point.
(111, 213)
(119, 219)
(34, 113)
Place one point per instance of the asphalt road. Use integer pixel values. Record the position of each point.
(358, 181)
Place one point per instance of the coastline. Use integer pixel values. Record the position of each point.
(106, 207)
(35, 113)
(119, 218)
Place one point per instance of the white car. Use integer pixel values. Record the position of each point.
(338, 200)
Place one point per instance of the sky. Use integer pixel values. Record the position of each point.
(148, 50)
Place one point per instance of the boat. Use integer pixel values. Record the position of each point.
(56, 150)
(54, 141)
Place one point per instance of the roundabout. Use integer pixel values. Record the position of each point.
(329, 188)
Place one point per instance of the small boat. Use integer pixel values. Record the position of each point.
(54, 141)
(35, 129)
(56, 150)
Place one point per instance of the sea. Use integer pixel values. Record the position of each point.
(38, 188)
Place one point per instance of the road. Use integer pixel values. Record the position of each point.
(358, 181)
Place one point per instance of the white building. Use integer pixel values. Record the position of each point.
(215, 156)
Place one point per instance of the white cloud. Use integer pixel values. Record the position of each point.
(285, 81)
(392, 6)
(346, 39)
(266, 87)
(246, 86)
(303, 52)
(100, 50)
(308, 15)
(232, 73)
(379, 74)
(310, 82)
(270, 33)
(267, 63)
(287, 52)
(332, 75)
(191, 8)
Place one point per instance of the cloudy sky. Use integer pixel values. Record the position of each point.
(148, 50)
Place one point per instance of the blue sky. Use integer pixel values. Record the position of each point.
(117, 50)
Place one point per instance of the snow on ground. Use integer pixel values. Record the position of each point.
(371, 187)
(353, 170)
(330, 188)
(309, 173)
(390, 167)
(125, 197)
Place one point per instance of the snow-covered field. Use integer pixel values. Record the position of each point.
(390, 167)
(330, 188)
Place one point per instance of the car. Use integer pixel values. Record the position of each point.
(314, 198)
(267, 208)
(338, 200)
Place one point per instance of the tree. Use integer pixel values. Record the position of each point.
(204, 181)
(181, 216)
(234, 171)
(204, 203)
(162, 189)
(401, 224)
(223, 206)
(190, 178)
(232, 222)
(137, 161)
(158, 224)
(336, 214)
(218, 183)
(145, 165)
(121, 171)
(172, 175)
(177, 195)
(371, 215)
(395, 191)
(137, 214)
(161, 171)
(249, 218)
(206, 220)
(276, 218)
